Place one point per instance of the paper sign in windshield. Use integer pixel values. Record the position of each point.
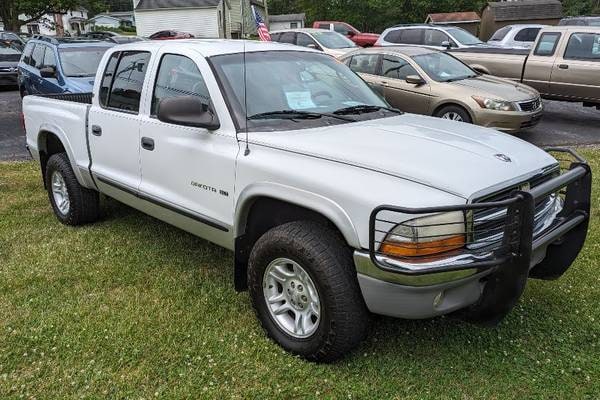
(300, 100)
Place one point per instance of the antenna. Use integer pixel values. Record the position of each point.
(247, 150)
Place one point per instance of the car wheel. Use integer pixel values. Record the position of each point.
(72, 203)
(305, 292)
(454, 113)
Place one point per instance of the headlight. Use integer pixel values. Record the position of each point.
(492, 104)
(426, 236)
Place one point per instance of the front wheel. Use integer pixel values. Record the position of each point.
(454, 113)
(305, 292)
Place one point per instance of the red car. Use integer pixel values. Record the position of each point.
(170, 35)
(358, 37)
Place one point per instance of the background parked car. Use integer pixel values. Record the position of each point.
(170, 35)
(12, 37)
(581, 21)
(99, 35)
(426, 81)
(10, 53)
(516, 36)
(122, 39)
(360, 38)
(435, 36)
(51, 65)
(330, 42)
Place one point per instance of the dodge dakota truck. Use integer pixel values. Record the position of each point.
(333, 204)
(564, 63)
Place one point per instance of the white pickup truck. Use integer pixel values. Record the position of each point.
(333, 204)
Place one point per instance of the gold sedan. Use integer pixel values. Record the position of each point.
(425, 81)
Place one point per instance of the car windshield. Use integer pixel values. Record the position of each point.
(333, 40)
(9, 49)
(442, 67)
(286, 86)
(81, 61)
(463, 37)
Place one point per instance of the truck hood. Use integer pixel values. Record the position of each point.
(458, 158)
(496, 88)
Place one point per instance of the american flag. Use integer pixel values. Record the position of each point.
(261, 28)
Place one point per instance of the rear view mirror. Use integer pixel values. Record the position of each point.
(415, 80)
(48, 72)
(187, 111)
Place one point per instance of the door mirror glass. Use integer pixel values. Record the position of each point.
(48, 72)
(415, 80)
(311, 46)
(187, 111)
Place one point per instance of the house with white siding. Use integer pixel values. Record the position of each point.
(70, 23)
(201, 18)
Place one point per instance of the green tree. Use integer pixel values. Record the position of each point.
(33, 9)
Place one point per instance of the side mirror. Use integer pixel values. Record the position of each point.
(48, 72)
(351, 34)
(446, 44)
(415, 80)
(187, 111)
(312, 46)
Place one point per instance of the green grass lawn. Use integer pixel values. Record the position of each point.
(132, 308)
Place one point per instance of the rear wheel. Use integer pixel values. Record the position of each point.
(305, 293)
(454, 113)
(72, 203)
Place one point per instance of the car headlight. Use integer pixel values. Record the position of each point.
(493, 104)
(426, 236)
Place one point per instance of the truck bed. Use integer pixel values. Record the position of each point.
(506, 63)
(83, 98)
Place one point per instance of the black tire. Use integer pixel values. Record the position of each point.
(328, 261)
(84, 204)
(457, 110)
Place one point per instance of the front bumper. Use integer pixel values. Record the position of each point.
(8, 79)
(508, 121)
(487, 284)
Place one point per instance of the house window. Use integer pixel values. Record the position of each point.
(33, 29)
(293, 25)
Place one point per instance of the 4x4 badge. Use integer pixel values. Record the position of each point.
(503, 157)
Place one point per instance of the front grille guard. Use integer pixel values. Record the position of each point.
(517, 243)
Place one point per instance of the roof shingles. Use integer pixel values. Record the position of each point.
(526, 10)
(158, 4)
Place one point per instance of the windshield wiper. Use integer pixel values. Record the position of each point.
(364, 109)
(297, 114)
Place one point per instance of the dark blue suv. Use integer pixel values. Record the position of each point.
(51, 65)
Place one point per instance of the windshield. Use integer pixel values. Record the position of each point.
(9, 49)
(292, 81)
(81, 61)
(443, 68)
(463, 36)
(333, 40)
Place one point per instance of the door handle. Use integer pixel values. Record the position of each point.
(563, 66)
(147, 143)
(96, 130)
(383, 83)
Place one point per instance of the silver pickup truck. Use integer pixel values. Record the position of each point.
(564, 63)
(332, 203)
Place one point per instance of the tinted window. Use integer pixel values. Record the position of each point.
(412, 36)
(341, 28)
(275, 37)
(27, 53)
(288, 37)
(126, 89)
(49, 59)
(393, 36)
(500, 34)
(302, 39)
(435, 38)
(547, 44)
(396, 68)
(37, 57)
(178, 76)
(527, 35)
(324, 26)
(365, 63)
(107, 77)
(583, 46)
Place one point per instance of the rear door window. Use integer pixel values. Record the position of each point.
(365, 63)
(412, 36)
(547, 44)
(583, 46)
(288, 37)
(527, 35)
(127, 81)
(304, 40)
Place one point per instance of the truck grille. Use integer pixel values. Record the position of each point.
(489, 224)
(531, 105)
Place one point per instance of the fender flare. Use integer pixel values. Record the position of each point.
(49, 128)
(302, 198)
